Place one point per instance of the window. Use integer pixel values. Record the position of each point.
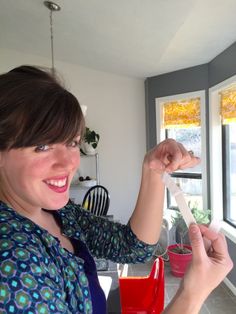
(182, 117)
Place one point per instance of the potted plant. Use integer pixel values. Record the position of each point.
(180, 254)
(89, 142)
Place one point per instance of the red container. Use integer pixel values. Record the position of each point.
(179, 262)
(143, 294)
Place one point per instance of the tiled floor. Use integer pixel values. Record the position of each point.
(221, 300)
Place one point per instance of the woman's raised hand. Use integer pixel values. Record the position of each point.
(169, 156)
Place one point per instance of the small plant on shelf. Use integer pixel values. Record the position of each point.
(89, 142)
(91, 137)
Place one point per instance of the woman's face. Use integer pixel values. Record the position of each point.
(39, 177)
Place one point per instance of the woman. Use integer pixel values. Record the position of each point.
(46, 241)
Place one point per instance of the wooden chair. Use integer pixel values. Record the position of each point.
(97, 200)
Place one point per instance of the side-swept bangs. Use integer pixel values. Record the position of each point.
(38, 111)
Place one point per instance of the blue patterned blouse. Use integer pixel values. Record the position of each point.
(37, 275)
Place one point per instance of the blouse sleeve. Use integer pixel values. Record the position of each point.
(111, 240)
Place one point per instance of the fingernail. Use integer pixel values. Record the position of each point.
(193, 228)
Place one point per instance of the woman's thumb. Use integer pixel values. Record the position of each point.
(196, 241)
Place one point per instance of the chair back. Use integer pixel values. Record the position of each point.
(97, 200)
(143, 294)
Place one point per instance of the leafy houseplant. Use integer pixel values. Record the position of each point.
(90, 141)
(180, 254)
(201, 217)
(91, 137)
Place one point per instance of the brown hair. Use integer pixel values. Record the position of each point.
(35, 109)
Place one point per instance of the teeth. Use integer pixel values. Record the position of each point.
(58, 183)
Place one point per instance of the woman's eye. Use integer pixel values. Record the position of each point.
(41, 148)
(74, 143)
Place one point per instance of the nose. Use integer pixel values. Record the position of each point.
(66, 158)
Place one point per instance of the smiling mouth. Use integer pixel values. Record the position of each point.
(57, 183)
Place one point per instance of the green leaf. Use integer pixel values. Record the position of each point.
(91, 137)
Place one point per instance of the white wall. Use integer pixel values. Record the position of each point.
(116, 111)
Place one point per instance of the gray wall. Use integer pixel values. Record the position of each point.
(178, 82)
(196, 78)
(223, 66)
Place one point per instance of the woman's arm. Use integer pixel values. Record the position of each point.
(168, 156)
(105, 238)
(206, 271)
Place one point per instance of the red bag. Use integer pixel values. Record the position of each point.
(143, 294)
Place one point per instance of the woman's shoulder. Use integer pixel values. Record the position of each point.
(74, 210)
(73, 218)
(17, 231)
(11, 221)
(9, 217)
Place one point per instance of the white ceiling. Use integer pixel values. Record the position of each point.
(137, 38)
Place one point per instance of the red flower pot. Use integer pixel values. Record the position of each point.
(179, 262)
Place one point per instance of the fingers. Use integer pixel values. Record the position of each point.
(218, 241)
(197, 242)
(174, 161)
(191, 163)
(169, 156)
(181, 159)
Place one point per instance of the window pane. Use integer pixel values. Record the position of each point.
(192, 189)
(230, 169)
(191, 139)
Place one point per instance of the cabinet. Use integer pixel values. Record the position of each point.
(89, 166)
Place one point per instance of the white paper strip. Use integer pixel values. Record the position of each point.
(183, 207)
(180, 200)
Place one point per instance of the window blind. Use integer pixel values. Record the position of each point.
(182, 114)
(228, 105)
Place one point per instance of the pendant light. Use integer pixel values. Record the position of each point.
(53, 7)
